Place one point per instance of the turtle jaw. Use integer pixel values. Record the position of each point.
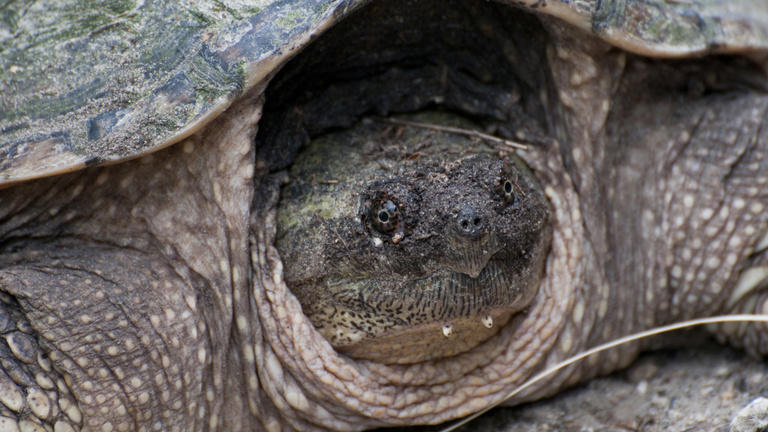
(429, 341)
(448, 311)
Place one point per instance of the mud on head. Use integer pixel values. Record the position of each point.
(402, 256)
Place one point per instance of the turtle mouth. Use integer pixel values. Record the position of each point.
(447, 312)
(443, 296)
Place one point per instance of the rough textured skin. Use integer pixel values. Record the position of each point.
(118, 288)
(150, 293)
(461, 245)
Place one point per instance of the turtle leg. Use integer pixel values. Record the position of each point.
(714, 199)
(128, 279)
(32, 392)
(100, 337)
(684, 181)
(729, 251)
(750, 296)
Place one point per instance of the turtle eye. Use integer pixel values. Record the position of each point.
(508, 190)
(384, 216)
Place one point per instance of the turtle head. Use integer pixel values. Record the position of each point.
(440, 251)
(455, 217)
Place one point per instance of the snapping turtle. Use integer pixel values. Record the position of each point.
(148, 294)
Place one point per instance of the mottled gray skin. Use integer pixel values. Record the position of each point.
(149, 294)
(462, 244)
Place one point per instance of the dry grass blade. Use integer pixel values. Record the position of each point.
(609, 345)
(460, 131)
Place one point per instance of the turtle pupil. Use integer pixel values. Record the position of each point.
(383, 216)
(507, 187)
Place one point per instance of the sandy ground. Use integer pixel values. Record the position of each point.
(690, 389)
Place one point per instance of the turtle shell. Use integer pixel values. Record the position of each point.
(115, 80)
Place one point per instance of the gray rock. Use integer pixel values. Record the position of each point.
(753, 418)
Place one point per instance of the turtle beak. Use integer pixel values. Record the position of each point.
(470, 256)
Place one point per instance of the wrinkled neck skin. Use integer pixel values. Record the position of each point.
(571, 299)
(231, 349)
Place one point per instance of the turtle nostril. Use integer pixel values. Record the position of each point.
(469, 222)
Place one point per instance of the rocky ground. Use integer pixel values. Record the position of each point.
(691, 389)
(701, 387)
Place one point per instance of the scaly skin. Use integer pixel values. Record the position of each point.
(149, 294)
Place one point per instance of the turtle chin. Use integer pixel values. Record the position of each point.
(406, 321)
(429, 341)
